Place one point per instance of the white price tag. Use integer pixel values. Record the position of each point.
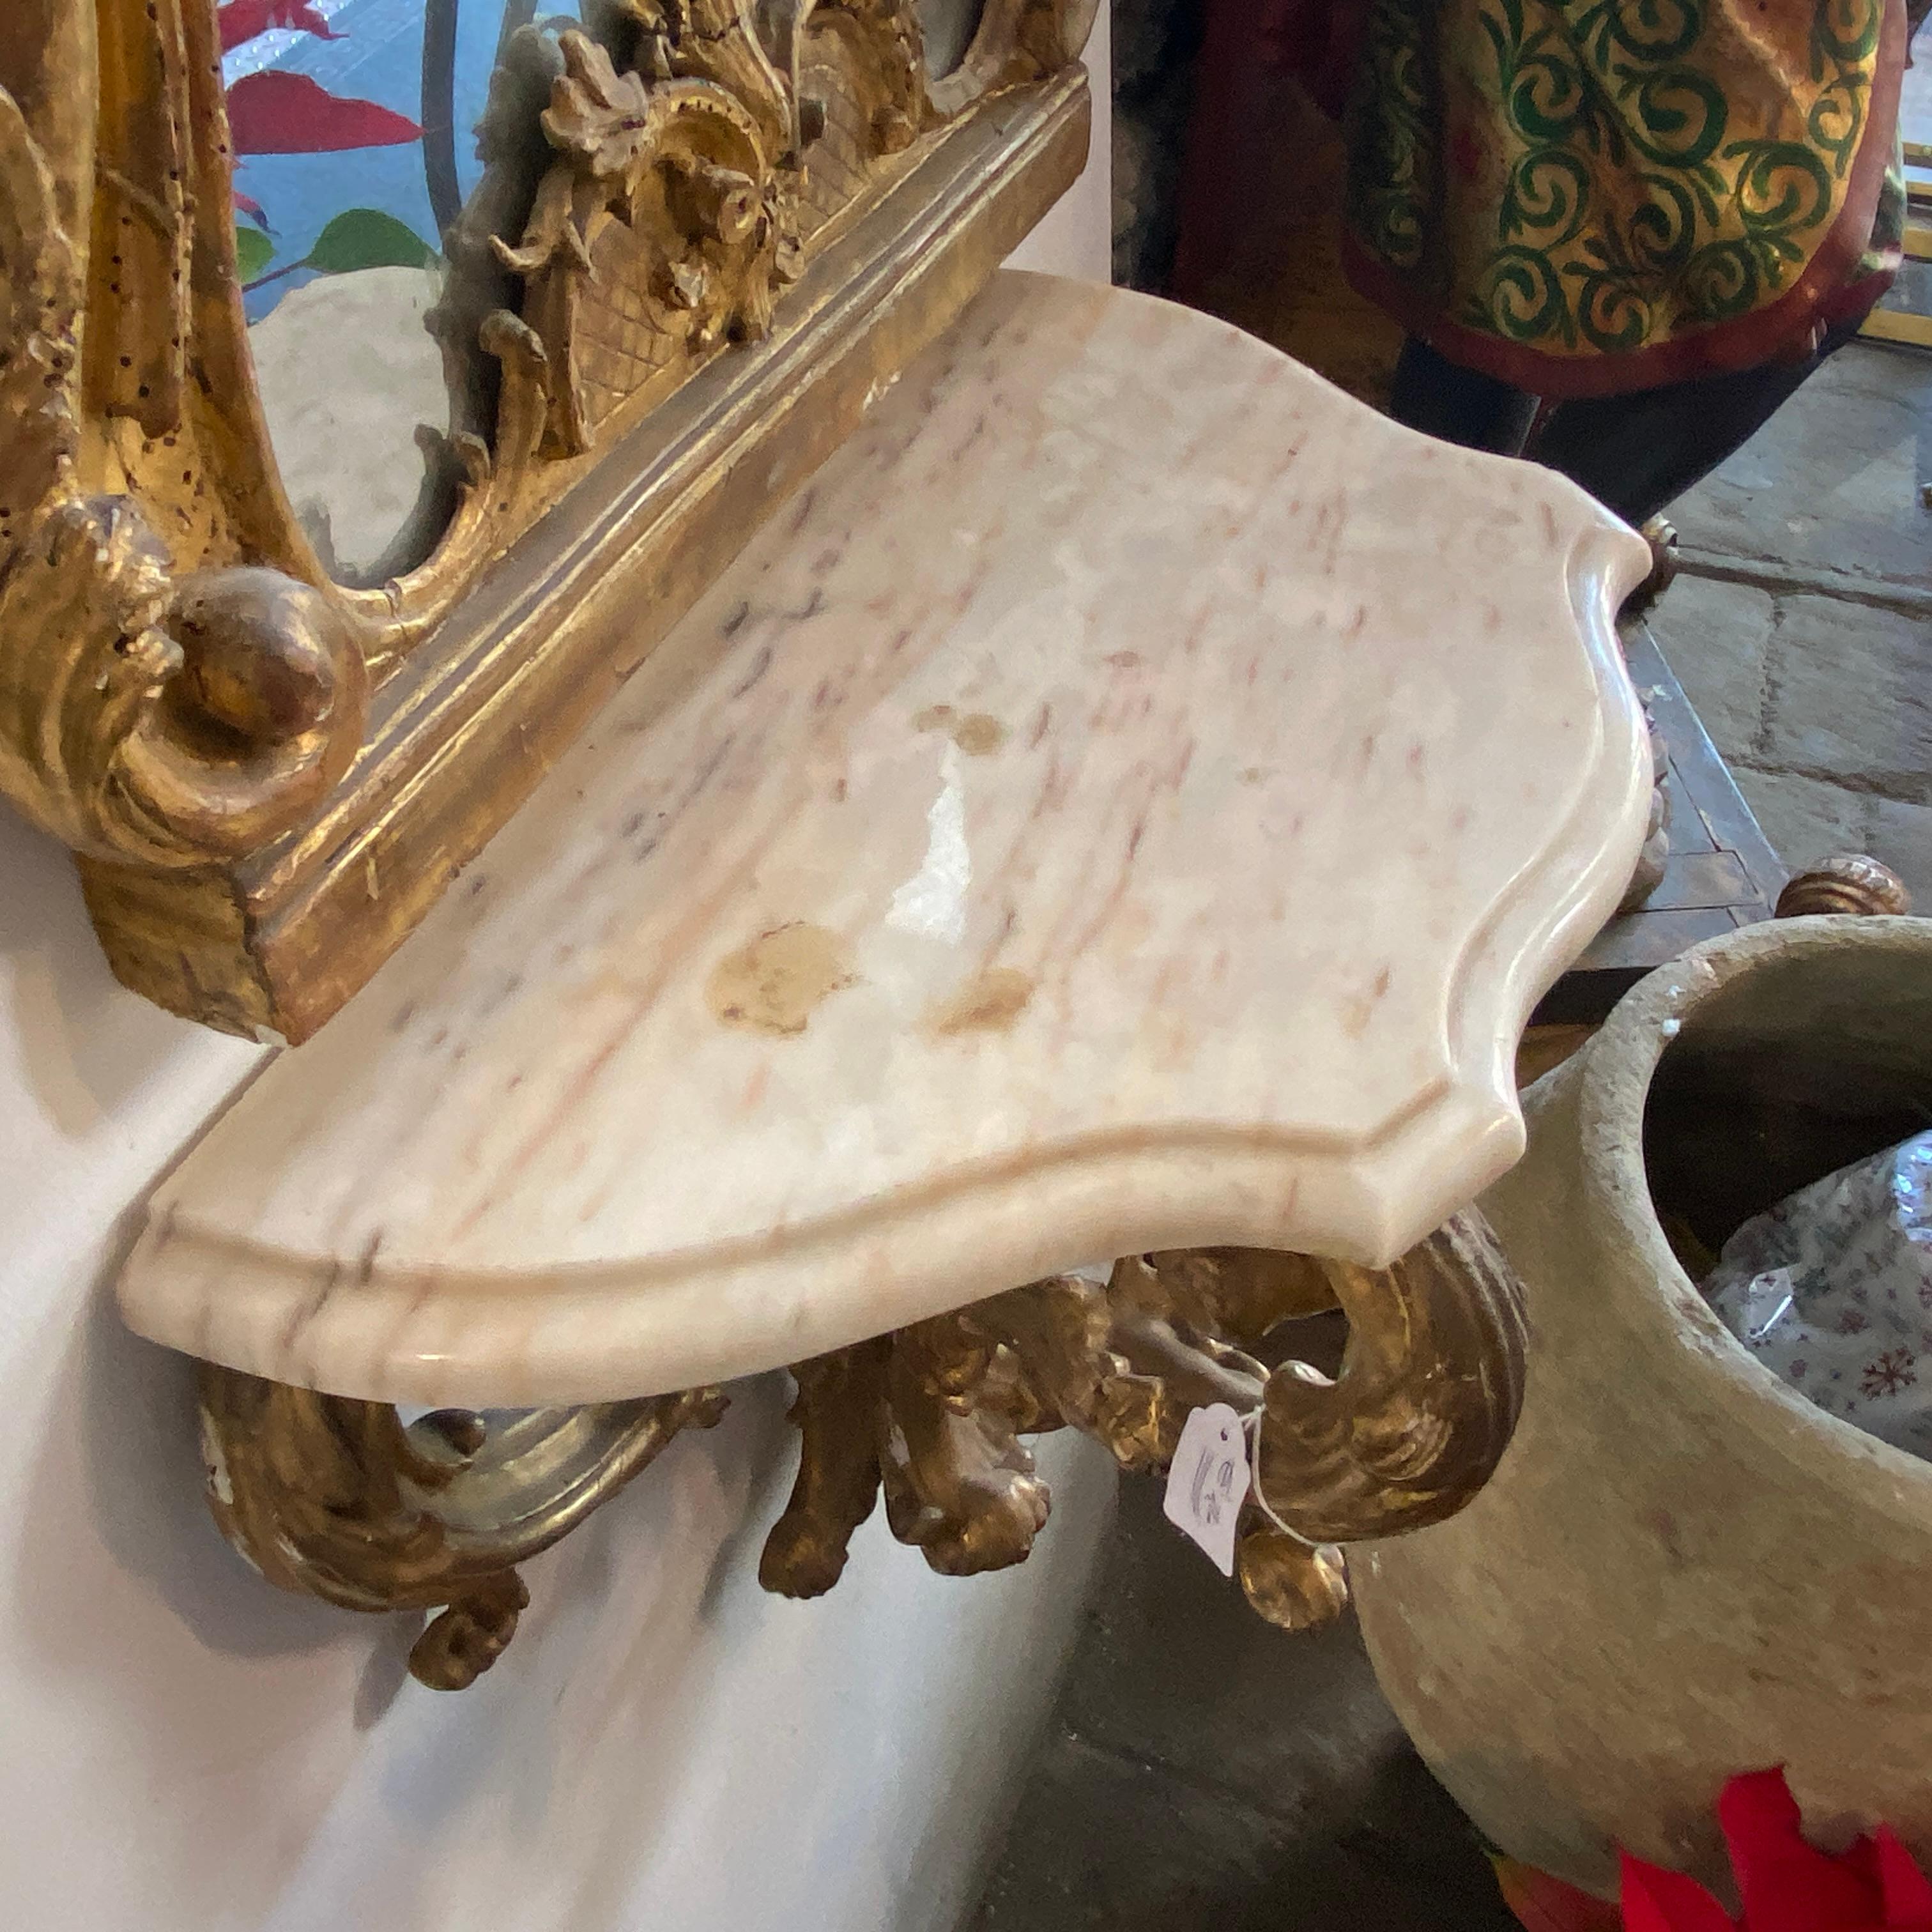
(1207, 1480)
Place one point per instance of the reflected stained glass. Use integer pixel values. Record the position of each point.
(352, 124)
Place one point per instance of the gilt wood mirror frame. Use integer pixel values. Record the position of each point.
(706, 235)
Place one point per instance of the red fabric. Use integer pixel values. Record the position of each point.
(1315, 40)
(1786, 1884)
(1657, 1901)
(1319, 41)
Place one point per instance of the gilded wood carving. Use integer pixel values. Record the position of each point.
(338, 1499)
(164, 701)
(931, 1417)
(760, 207)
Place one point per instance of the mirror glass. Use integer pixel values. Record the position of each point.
(948, 27)
(354, 127)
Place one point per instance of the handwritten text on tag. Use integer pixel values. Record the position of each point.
(1207, 1480)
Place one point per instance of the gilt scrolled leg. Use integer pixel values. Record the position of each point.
(342, 1500)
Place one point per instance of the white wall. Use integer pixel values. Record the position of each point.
(184, 1749)
(1077, 237)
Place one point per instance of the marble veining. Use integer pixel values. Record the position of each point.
(1131, 797)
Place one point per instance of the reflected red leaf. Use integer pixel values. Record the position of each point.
(272, 112)
(241, 20)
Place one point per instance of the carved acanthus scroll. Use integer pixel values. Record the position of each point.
(1423, 1409)
(650, 191)
(663, 227)
(647, 198)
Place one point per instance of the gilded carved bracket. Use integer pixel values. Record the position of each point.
(932, 1417)
(269, 776)
(338, 1499)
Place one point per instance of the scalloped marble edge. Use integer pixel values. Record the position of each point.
(609, 1332)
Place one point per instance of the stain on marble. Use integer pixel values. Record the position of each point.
(989, 1002)
(978, 734)
(775, 985)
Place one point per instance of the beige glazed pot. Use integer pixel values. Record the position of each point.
(1681, 1569)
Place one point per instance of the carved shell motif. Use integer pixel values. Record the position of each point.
(695, 148)
(660, 232)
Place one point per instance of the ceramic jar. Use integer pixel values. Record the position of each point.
(1681, 1569)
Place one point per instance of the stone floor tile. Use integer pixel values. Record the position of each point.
(1101, 1842)
(1208, 1774)
(1715, 636)
(1848, 697)
(1804, 819)
(1831, 483)
(1901, 835)
(1174, 1667)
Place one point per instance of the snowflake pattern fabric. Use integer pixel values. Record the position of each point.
(1831, 1290)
